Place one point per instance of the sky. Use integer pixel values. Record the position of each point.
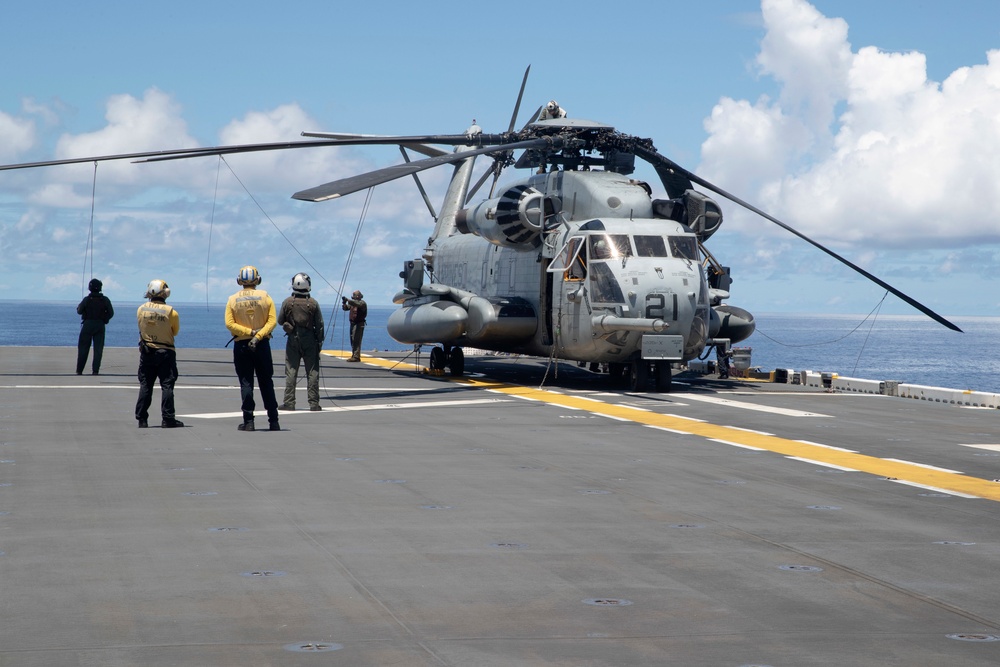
(871, 127)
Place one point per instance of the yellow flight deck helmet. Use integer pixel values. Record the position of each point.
(249, 277)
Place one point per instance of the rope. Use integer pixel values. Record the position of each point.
(273, 224)
(347, 265)
(211, 226)
(89, 250)
(877, 307)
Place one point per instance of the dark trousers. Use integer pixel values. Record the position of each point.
(91, 331)
(255, 362)
(156, 365)
(357, 333)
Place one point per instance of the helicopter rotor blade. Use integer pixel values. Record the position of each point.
(664, 165)
(345, 186)
(517, 105)
(675, 180)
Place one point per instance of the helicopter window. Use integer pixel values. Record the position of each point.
(650, 246)
(570, 260)
(609, 246)
(604, 284)
(684, 247)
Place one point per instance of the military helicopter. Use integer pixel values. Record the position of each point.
(575, 262)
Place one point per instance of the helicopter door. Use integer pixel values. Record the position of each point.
(569, 280)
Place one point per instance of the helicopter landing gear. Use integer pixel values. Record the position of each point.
(453, 359)
(638, 377)
(616, 371)
(640, 372)
(456, 362)
(437, 360)
(663, 376)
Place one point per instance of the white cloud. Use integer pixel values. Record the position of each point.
(17, 135)
(908, 162)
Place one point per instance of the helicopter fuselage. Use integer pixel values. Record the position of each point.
(601, 279)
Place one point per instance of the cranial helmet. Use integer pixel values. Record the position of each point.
(249, 276)
(301, 283)
(95, 285)
(357, 294)
(157, 289)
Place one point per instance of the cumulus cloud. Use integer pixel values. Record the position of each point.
(17, 135)
(860, 146)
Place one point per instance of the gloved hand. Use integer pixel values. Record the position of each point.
(288, 327)
(253, 343)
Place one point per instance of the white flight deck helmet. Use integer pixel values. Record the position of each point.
(157, 289)
(301, 283)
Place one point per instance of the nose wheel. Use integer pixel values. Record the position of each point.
(640, 371)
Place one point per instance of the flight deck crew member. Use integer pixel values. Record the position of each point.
(158, 324)
(302, 321)
(95, 310)
(359, 314)
(250, 317)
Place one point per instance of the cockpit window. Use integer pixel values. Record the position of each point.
(570, 260)
(684, 247)
(650, 246)
(609, 246)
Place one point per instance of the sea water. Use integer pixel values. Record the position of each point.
(912, 349)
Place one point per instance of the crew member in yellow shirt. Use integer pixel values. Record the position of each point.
(158, 324)
(250, 317)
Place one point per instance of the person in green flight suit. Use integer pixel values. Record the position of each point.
(302, 321)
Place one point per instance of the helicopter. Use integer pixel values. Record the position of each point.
(577, 261)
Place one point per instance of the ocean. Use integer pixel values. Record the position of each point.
(912, 349)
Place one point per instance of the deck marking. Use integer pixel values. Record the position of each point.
(354, 408)
(925, 465)
(994, 448)
(668, 430)
(820, 444)
(944, 482)
(737, 444)
(821, 463)
(932, 488)
(748, 406)
(948, 482)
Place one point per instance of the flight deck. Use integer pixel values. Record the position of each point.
(527, 513)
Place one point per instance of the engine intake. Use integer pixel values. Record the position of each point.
(515, 219)
(699, 212)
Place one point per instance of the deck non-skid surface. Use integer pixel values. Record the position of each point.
(488, 520)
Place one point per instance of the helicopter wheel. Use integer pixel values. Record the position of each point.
(437, 361)
(664, 376)
(638, 375)
(456, 362)
(616, 372)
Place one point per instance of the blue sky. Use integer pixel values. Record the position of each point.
(870, 126)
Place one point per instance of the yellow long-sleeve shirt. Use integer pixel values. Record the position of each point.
(158, 324)
(250, 310)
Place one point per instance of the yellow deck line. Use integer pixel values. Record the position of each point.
(897, 470)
